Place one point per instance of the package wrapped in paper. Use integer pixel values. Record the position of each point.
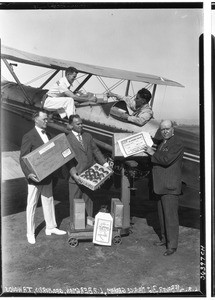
(103, 229)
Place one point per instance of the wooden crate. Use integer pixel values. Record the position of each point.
(95, 176)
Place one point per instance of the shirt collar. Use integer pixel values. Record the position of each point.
(75, 133)
(144, 106)
(39, 129)
(141, 108)
(67, 82)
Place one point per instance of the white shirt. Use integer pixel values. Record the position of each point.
(43, 136)
(76, 134)
(138, 116)
(58, 89)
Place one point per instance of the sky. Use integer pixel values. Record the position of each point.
(162, 42)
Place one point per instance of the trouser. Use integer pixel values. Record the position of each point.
(169, 221)
(80, 192)
(34, 191)
(64, 105)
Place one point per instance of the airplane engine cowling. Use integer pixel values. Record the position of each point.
(12, 91)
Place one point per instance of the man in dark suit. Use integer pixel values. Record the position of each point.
(31, 141)
(167, 178)
(86, 154)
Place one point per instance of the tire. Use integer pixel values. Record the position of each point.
(117, 240)
(73, 242)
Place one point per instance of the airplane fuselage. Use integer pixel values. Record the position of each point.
(17, 120)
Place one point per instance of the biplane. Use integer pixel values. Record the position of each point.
(101, 119)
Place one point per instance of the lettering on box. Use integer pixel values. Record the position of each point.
(66, 152)
(103, 231)
(47, 158)
(51, 145)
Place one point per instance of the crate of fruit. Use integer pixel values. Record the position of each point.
(95, 176)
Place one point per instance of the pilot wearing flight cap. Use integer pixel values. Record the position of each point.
(139, 110)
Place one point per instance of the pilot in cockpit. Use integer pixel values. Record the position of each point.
(139, 110)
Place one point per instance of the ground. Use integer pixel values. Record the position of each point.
(135, 266)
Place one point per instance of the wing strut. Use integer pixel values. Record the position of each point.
(50, 78)
(127, 87)
(17, 80)
(153, 95)
(83, 82)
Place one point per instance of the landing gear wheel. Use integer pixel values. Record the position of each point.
(117, 240)
(73, 242)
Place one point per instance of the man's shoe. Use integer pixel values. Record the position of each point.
(55, 231)
(169, 251)
(31, 238)
(160, 243)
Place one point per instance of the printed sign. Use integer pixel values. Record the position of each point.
(135, 143)
(66, 153)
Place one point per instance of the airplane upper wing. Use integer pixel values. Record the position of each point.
(52, 63)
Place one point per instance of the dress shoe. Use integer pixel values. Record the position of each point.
(160, 243)
(169, 251)
(31, 238)
(55, 231)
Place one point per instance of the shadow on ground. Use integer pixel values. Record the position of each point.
(14, 195)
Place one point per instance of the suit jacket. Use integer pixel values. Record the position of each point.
(31, 141)
(167, 165)
(84, 157)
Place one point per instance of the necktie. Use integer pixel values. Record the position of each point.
(162, 144)
(44, 136)
(80, 140)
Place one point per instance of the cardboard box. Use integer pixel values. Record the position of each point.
(90, 221)
(95, 176)
(49, 157)
(117, 212)
(79, 214)
(101, 98)
(112, 207)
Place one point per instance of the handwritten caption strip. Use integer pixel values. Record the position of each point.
(99, 291)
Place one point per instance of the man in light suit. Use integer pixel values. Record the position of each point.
(32, 140)
(86, 154)
(167, 179)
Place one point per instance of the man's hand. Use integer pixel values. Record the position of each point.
(93, 98)
(110, 94)
(148, 150)
(77, 178)
(33, 177)
(108, 165)
(124, 116)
